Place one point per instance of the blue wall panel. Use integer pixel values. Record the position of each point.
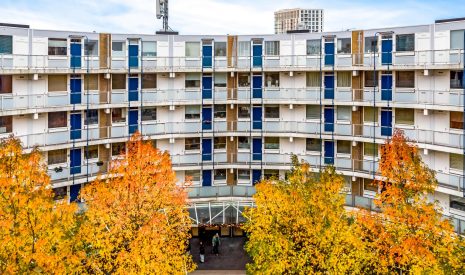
(207, 149)
(257, 118)
(207, 118)
(206, 177)
(133, 121)
(257, 149)
(75, 121)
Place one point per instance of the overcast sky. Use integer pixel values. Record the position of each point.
(219, 16)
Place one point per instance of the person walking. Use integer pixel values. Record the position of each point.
(216, 244)
(202, 252)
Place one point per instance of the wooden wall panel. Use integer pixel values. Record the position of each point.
(357, 47)
(232, 86)
(104, 89)
(104, 156)
(231, 149)
(232, 50)
(230, 177)
(104, 122)
(231, 117)
(357, 155)
(104, 50)
(357, 187)
(357, 86)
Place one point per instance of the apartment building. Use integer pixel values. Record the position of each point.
(298, 19)
(232, 109)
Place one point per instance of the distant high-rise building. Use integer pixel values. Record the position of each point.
(298, 19)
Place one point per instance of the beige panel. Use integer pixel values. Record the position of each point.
(230, 177)
(104, 50)
(231, 150)
(232, 86)
(357, 86)
(357, 187)
(104, 156)
(104, 88)
(357, 155)
(357, 47)
(232, 50)
(104, 122)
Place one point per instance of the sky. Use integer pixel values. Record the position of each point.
(219, 16)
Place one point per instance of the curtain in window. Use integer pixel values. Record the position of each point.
(344, 79)
(149, 48)
(244, 48)
(405, 116)
(272, 48)
(313, 79)
(57, 83)
(344, 113)
(192, 49)
(313, 47)
(91, 82)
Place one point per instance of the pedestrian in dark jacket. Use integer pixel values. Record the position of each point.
(202, 252)
(216, 244)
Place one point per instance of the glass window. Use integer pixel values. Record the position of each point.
(313, 144)
(219, 143)
(192, 112)
(91, 82)
(149, 81)
(57, 119)
(192, 49)
(6, 84)
(343, 45)
(243, 80)
(405, 116)
(313, 111)
(192, 80)
(118, 81)
(60, 192)
(149, 48)
(243, 174)
(91, 117)
(313, 47)
(220, 48)
(344, 113)
(243, 111)
(91, 48)
(192, 175)
(117, 115)
(243, 143)
(6, 124)
(343, 147)
(118, 49)
(370, 79)
(270, 174)
(118, 148)
(369, 185)
(370, 114)
(457, 203)
(192, 143)
(456, 79)
(405, 42)
(91, 152)
(271, 111)
(149, 113)
(456, 120)
(456, 39)
(271, 142)
(57, 46)
(271, 48)
(272, 80)
(6, 44)
(456, 161)
(220, 80)
(371, 44)
(220, 174)
(56, 156)
(57, 83)
(244, 48)
(220, 111)
(344, 79)
(369, 149)
(405, 79)
(313, 79)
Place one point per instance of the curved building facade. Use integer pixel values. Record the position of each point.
(232, 109)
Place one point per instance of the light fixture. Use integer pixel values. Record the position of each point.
(36, 116)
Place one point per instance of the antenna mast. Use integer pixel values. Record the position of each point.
(162, 12)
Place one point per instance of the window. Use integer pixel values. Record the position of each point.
(118, 148)
(57, 120)
(271, 111)
(6, 84)
(192, 80)
(58, 83)
(192, 112)
(456, 120)
(456, 79)
(370, 79)
(149, 48)
(313, 79)
(243, 111)
(219, 143)
(243, 143)
(56, 156)
(344, 113)
(6, 124)
(243, 80)
(405, 79)
(91, 152)
(343, 45)
(117, 115)
(118, 82)
(220, 174)
(270, 174)
(370, 114)
(369, 149)
(219, 111)
(272, 80)
(371, 44)
(192, 144)
(149, 81)
(271, 48)
(220, 48)
(57, 46)
(343, 147)
(243, 48)
(344, 79)
(60, 193)
(192, 49)
(313, 47)
(220, 80)
(91, 82)
(91, 48)
(456, 161)
(313, 112)
(405, 116)
(90, 117)
(149, 113)
(313, 144)
(405, 42)
(118, 49)
(192, 175)
(6, 44)
(369, 185)
(272, 143)
(457, 203)
(243, 174)
(456, 39)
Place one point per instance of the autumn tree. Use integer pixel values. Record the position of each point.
(300, 226)
(410, 234)
(136, 221)
(36, 232)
